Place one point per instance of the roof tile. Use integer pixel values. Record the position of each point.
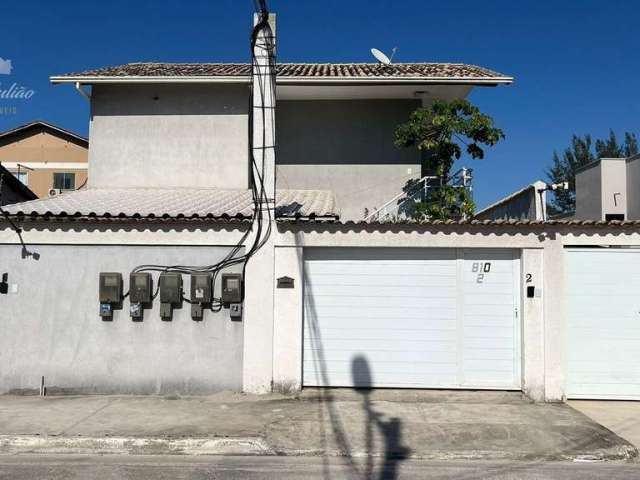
(323, 70)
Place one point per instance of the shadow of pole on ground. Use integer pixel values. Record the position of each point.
(390, 430)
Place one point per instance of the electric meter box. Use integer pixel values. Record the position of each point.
(140, 287)
(201, 294)
(110, 287)
(201, 288)
(109, 294)
(231, 288)
(170, 288)
(170, 294)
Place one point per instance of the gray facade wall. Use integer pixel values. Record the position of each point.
(589, 193)
(51, 327)
(345, 146)
(633, 188)
(169, 136)
(522, 206)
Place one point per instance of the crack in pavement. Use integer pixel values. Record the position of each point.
(87, 417)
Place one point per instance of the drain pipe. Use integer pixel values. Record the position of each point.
(82, 91)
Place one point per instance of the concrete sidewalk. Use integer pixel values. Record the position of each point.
(384, 423)
(621, 417)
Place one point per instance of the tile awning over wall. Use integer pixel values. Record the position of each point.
(176, 203)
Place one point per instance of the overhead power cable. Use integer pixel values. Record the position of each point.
(259, 192)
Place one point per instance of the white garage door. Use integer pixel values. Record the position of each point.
(603, 303)
(415, 318)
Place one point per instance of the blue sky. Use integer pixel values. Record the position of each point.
(575, 63)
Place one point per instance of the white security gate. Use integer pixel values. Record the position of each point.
(603, 307)
(411, 317)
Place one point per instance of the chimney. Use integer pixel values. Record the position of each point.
(264, 103)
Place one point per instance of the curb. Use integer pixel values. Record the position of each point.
(257, 446)
(16, 444)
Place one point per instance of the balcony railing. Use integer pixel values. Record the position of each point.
(403, 205)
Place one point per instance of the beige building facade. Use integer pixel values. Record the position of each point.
(47, 159)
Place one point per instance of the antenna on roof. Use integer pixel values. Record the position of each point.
(381, 57)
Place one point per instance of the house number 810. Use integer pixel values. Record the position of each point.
(480, 268)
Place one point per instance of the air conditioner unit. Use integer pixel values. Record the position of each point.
(55, 191)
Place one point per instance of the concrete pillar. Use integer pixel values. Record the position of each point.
(533, 324)
(555, 321)
(288, 318)
(259, 281)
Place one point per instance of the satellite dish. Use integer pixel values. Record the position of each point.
(381, 57)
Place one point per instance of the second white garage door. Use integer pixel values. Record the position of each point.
(414, 318)
(603, 303)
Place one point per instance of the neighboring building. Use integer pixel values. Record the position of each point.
(328, 300)
(13, 190)
(528, 203)
(46, 158)
(607, 189)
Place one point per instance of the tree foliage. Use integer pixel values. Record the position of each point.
(582, 151)
(443, 131)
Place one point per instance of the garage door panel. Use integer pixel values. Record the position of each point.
(603, 308)
(444, 354)
(374, 315)
(383, 277)
(382, 323)
(356, 303)
(377, 291)
(378, 339)
(487, 310)
(373, 268)
(388, 380)
(379, 255)
(399, 311)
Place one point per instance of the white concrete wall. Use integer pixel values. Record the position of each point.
(533, 371)
(272, 327)
(169, 136)
(288, 328)
(51, 326)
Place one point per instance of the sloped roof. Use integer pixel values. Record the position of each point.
(175, 203)
(10, 179)
(290, 71)
(39, 124)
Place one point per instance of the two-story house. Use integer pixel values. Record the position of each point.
(220, 244)
(48, 159)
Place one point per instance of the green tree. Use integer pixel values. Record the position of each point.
(583, 151)
(443, 131)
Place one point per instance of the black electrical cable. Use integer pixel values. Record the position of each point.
(259, 196)
(18, 230)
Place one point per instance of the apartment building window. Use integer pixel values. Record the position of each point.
(64, 181)
(23, 177)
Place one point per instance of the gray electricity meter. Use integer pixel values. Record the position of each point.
(201, 293)
(110, 293)
(231, 288)
(170, 294)
(140, 294)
